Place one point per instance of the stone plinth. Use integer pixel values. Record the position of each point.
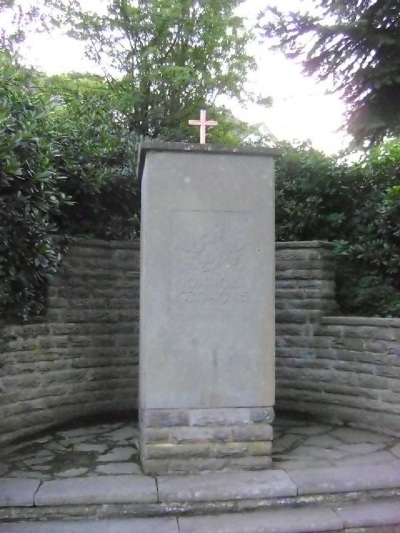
(207, 307)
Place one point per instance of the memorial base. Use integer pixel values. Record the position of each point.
(184, 441)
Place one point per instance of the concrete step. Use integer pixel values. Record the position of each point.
(382, 516)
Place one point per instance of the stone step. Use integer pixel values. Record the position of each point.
(344, 492)
(382, 516)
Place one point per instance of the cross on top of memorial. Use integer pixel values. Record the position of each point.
(203, 123)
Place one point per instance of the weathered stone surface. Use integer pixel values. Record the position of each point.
(121, 453)
(72, 472)
(372, 514)
(222, 416)
(207, 284)
(256, 432)
(136, 525)
(119, 468)
(84, 359)
(97, 490)
(53, 352)
(198, 290)
(17, 492)
(285, 521)
(347, 479)
(160, 418)
(226, 486)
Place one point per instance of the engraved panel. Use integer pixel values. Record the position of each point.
(210, 260)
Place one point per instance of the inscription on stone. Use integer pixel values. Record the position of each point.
(210, 259)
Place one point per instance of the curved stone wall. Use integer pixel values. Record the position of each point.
(341, 369)
(83, 359)
(349, 372)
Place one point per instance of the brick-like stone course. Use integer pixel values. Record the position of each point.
(194, 440)
(83, 359)
(354, 375)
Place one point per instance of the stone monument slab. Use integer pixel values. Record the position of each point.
(207, 289)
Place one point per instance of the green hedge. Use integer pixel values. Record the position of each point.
(30, 194)
(357, 207)
(68, 167)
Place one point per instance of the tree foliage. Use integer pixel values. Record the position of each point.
(355, 46)
(165, 59)
(97, 152)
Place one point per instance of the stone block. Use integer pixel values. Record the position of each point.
(16, 492)
(174, 451)
(204, 278)
(225, 486)
(276, 521)
(200, 434)
(384, 513)
(97, 490)
(258, 432)
(160, 418)
(223, 417)
(346, 478)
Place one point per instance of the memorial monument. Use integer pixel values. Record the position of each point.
(207, 307)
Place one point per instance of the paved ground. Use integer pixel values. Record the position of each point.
(325, 478)
(112, 449)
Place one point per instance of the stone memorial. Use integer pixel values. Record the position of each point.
(207, 307)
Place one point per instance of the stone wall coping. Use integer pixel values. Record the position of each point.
(98, 243)
(360, 321)
(135, 244)
(185, 148)
(298, 245)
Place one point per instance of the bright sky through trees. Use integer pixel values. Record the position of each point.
(301, 108)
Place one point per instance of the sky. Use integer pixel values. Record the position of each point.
(301, 111)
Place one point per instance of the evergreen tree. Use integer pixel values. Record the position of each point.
(355, 45)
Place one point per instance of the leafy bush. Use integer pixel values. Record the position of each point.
(30, 196)
(98, 154)
(357, 207)
(67, 167)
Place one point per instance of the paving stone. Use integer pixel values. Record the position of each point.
(395, 450)
(225, 486)
(361, 448)
(86, 447)
(119, 468)
(322, 441)
(28, 474)
(125, 433)
(346, 478)
(286, 442)
(41, 468)
(303, 464)
(123, 453)
(4, 469)
(80, 432)
(371, 514)
(373, 458)
(355, 436)
(318, 453)
(97, 490)
(284, 521)
(309, 429)
(43, 440)
(72, 472)
(17, 492)
(39, 460)
(136, 525)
